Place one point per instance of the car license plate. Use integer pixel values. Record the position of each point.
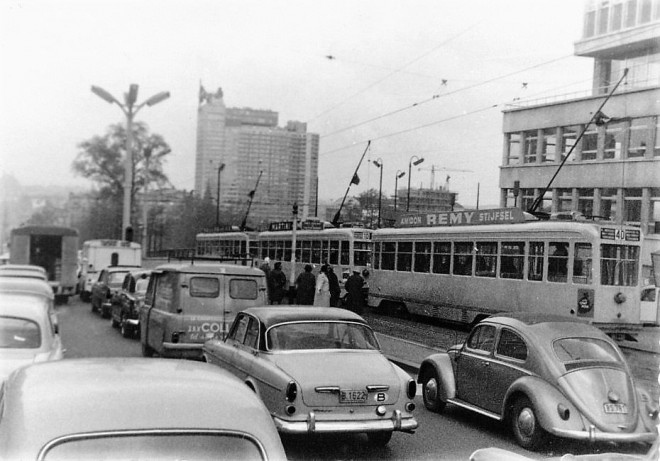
(351, 396)
(615, 408)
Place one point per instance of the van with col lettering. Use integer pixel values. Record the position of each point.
(188, 304)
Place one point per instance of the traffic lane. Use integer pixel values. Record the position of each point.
(86, 334)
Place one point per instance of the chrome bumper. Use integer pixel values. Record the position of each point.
(311, 426)
(183, 346)
(132, 322)
(593, 435)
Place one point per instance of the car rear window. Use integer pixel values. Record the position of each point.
(321, 335)
(19, 333)
(204, 287)
(243, 289)
(577, 352)
(211, 446)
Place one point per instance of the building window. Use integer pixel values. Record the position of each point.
(640, 130)
(645, 11)
(590, 144)
(632, 206)
(549, 146)
(614, 133)
(617, 16)
(568, 138)
(603, 17)
(654, 212)
(531, 141)
(656, 149)
(608, 203)
(586, 201)
(631, 13)
(590, 24)
(565, 199)
(514, 148)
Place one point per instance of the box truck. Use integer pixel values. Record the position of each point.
(98, 254)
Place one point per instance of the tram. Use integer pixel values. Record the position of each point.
(464, 266)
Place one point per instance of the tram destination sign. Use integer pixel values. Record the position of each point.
(462, 218)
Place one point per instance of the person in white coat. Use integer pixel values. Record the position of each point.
(322, 293)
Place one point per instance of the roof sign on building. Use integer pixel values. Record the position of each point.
(462, 218)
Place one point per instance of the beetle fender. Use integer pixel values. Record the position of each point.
(545, 398)
(441, 363)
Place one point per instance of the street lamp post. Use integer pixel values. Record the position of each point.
(399, 174)
(379, 164)
(217, 204)
(129, 108)
(410, 164)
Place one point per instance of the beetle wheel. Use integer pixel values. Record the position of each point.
(525, 425)
(431, 392)
(379, 439)
(147, 351)
(113, 322)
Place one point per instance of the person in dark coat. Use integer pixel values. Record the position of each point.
(355, 295)
(277, 284)
(305, 286)
(335, 289)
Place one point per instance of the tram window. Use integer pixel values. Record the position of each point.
(279, 250)
(619, 265)
(441, 257)
(482, 338)
(512, 260)
(325, 254)
(306, 251)
(536, 252)
(422, 256)
(404, 257)
(376, 255)
(582, 263)
(334, 252)
(558, 262)
(387, 261)
(361, 255)
(287, 250)
(463, 258)
(316, 252)
(345, 254)
(511, 345)
(486, 259)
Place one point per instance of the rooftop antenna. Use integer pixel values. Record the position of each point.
(599, 118)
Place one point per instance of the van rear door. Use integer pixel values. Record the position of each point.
(243, 292)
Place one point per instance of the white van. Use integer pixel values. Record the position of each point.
(99, 254)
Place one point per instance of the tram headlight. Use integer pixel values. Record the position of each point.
(619, 298)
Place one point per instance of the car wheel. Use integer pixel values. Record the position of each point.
(379, 439)
(113, 322)
(525, 425)
(431, 392)
(126, 332)
(93, 306)
(147, 351)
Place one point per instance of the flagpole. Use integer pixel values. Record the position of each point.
(354, 179)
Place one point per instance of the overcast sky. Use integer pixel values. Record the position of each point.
(425, 78)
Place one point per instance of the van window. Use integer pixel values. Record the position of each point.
(204, 287)
(165, 286)
(243, 289)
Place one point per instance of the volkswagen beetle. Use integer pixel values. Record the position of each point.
(318, 370)
(543, 375)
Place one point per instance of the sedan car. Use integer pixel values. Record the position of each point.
(544, 375)
(318, 370)
(133, 408)
(125, 311)
(28, 332)
(106, 286)
(23, 270)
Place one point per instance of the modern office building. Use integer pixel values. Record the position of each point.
(240, 150)
(614, 170)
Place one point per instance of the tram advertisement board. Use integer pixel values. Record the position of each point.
(462, 218)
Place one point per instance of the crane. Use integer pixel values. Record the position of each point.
(435, 168)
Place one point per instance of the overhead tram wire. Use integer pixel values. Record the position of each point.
(409, 63)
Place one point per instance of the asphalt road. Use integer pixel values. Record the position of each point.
(452, 435)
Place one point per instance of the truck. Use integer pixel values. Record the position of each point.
(55, 249)
(99, 254)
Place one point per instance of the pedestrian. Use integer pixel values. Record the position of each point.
(322, 292)
(265, 267)
(354, 294)
(335, 289)
(305, 286)
(277, 282)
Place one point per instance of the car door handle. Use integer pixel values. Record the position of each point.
(486, 364)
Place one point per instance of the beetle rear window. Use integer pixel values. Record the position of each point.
(576, 351)
(204, 287)
(243, 289)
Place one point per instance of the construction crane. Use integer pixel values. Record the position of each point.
(435, 168)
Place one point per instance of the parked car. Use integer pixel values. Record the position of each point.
(133, 408)
(23, 270)
(545, 375)
(188, 304)
(106, 286)
(28, 331)
(318, 370)
(125, 310)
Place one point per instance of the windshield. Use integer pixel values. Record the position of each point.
(19, 333)
(321, 335)
(116, 278)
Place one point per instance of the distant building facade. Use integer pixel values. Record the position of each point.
(235, 145)
(614, 170)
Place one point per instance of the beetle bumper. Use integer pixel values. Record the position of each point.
(311, 426)
(593, 435)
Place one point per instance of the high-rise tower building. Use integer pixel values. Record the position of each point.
(246, 151)
(614, 169)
